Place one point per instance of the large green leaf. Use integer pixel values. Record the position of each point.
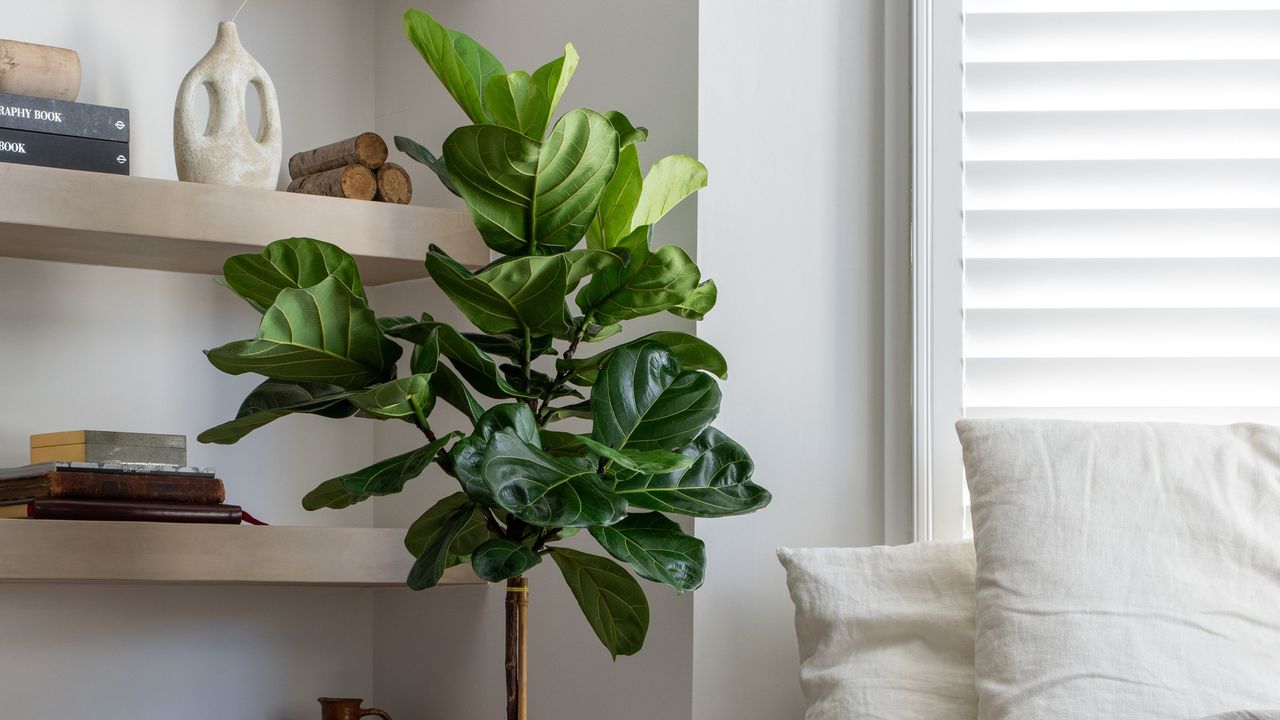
(480, 64)
(469, 453)
(580, 410)
(440, 48)
(657, 548)
(717, 484)
(644, 400)
(389, 476)
(642, 461)
(628, 134)
(397, 398)
(546, 490)
(528, 197)
(432, 522)
(693, 353)
(526, 293)
(516, 103)
(471, 362)
(511, 346)
(612, 601)
(437, 551)
(612, 220)
(500, 558)
(449, 387)
(552, 79)
(649, 283)
(320, 334)
(273, 400)
(420, 153)
(699, 303)
(331, 494)
(669, 181)
(293, 263)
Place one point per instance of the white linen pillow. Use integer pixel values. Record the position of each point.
(885, 632)
(1124, 570)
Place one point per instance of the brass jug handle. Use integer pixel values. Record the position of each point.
(374, 711)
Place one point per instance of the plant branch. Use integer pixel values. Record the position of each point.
(420, 419)
(543, 412)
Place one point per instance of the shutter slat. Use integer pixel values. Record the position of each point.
(1121, 184)
(1122, 333)
(1079, 36)
(1181, 85)
(1206, 415)
(1122, 382)
(1124, 283)
(979, 7)
(1122, 135)
(1124, 233)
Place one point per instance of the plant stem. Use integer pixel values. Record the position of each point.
(421, 419)
(517, 664)
(544, 411)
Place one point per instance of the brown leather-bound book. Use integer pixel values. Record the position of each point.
(50, 509)
(115, 486)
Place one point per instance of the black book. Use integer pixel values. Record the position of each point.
(59, 117)
(64, 151)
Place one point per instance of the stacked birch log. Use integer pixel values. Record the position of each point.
(355, 168)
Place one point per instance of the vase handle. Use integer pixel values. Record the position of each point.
(375, 711)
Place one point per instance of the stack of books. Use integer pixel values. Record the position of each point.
(62, 134)
(100, 475)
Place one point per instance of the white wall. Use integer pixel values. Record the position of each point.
(113, 348)
(443, 649)
(792, 228)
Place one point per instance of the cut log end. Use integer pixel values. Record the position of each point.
(356, 182)
(394, 184)
(367, 149)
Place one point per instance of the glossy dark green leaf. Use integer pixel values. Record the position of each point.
(273, 400)
(425, 359)
(293, 263)
(649, 283)
(718, 483)
(475, 366)
(441, 49)
(693, 353)
(669, 181)
(529, 197)
(552, 79)
(699, 303)
(469, 453)
(516, 103)
(527, 292)
(426, 157)
(320, 334)
(436, 552)
(510, 346)
(612, 601)
(432, 522)
(396, 399)
(498, 559)
(583, 263)
(449, 387)
(644, 400)
(642, 461)
(657, 549)
(331, 494)
(545, 490)
(581, 410)
(612, 220)
(628, 134)
(390, 475)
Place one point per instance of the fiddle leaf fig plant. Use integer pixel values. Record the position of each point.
(558, 439)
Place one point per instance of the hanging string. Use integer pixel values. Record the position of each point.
(233, 17)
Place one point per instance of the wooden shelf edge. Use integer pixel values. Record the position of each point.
(39, 551)
(101, 219)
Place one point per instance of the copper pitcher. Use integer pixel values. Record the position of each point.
(347, 709)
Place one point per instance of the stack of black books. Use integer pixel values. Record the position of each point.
(61, 134)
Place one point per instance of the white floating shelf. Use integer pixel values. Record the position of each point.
(88, 551)
(101, 219)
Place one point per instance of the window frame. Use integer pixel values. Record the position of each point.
(937, 270)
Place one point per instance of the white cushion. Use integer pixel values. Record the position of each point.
(885, 632)
(1125, 570)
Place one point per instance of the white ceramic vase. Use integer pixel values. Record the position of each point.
(225, 151)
